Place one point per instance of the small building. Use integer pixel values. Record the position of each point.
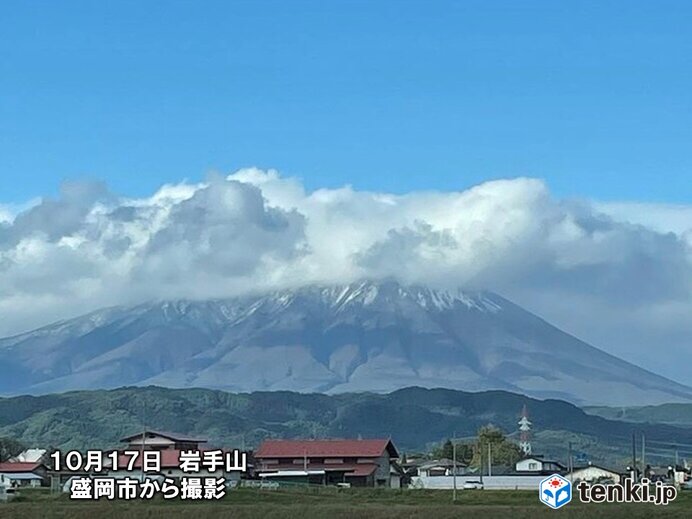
(680, 474)
(410, 464)
(19, 474)
(537, 465)
(159, 440)
(595, 474)
(20, 479)
(397, 475)
(364, 463)
(441, 467)
(170, 445)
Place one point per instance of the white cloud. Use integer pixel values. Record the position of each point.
(664, 218)
(5, 215)
(619, 275)
(9, 211)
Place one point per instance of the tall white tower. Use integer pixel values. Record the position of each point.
(525, 432)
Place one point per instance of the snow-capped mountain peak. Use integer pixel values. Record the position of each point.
(367, 335)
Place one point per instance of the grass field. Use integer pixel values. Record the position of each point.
(332, 503)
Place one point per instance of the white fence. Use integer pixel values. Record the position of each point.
(489, 482)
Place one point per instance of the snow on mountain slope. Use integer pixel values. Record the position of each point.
(364, 336)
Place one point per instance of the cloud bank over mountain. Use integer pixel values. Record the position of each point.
(617, 275)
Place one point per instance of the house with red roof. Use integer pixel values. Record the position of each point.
(363, 463)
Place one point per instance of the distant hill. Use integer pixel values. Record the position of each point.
(673, 414)
(367, 336)
(414, 417)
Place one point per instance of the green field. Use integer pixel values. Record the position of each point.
(332, 503)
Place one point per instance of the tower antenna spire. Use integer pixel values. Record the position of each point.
(525, 432)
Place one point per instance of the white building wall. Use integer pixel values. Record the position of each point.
(594, 474)
(489, 482)
(529, 464)
(8, 481)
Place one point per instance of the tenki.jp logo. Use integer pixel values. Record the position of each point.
(555, 491)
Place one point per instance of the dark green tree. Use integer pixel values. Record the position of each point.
(9, 447)
(446, 450)
(504, 451)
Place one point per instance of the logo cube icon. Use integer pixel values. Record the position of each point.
(555, 491)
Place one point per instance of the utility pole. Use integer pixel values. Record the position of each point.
(570, 464)
(634, 458)
(480, 464)
(144, 434)
(454, 467)
(490, 459)
(643, 453)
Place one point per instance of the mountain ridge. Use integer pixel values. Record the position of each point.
(416, 418)
(365, 336)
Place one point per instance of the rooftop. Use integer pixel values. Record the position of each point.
(326, 448)
(176, 437)
(17, 466)
(30, 456)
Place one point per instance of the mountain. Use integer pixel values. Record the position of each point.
(673, 414)
(360, 337)
(415, 418)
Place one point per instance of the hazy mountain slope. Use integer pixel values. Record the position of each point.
(673, 414)
(360, 337)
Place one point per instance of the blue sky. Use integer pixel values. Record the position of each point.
(595, 97)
